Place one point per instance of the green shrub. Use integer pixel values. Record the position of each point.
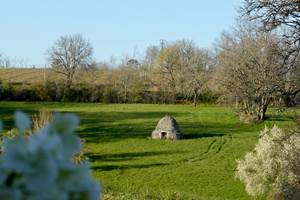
(56, 91)
(6, 91)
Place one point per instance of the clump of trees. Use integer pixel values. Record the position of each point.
(182, 68)
(171, 72)
(250, 70)
(272, 168)
(283, 18)
(258, 63)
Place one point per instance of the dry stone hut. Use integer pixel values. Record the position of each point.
(167, 128)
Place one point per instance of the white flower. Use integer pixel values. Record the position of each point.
(273, 167)
(22, 122)
(40, 168)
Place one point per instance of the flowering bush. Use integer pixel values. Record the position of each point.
(40, 167)
(273, 167)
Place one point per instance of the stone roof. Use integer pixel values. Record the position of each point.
(167, 128)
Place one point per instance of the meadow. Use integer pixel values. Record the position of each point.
(40, 75)
(24, 75)
(130, 165)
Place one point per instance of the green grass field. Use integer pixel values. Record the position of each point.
(131, 166)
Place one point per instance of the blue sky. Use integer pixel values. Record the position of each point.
(114, 27)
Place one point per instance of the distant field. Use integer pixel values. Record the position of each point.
(24, 75)
(39, 75)
(132, 166)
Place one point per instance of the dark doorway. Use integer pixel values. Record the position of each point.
(163, 135)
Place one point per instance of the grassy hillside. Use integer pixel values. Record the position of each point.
(132, 166)
(24, 75)
(39, 75)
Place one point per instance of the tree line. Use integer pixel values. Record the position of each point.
(177, 69)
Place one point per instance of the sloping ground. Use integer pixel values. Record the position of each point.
(39, 76)
(132, 166)
(24, 75)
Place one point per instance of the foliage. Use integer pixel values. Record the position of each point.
(272, 168)
(250, 70)
(6, 90)
(55, 91)
(40, 167)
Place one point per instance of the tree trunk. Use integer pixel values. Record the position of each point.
(236, 102)
(289, 100)
(254, 111)
(262, 112)
(125, 95)
(69, 81)
(195, 99)
(263, 106)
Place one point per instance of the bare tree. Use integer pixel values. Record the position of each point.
(196, 73)
(1, 60)
(181, 68)
(70, 53)
(283, 16)
(275, 14)
(167, 67)
(250, 69)
(152, 53)
(4, 61)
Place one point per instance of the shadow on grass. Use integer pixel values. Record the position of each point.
(101, 127)
(196, 130)
(280, 118)
(7, 111)
(124, 167)
(127, 156)
(115, 126)
(119, 116)
(200, 135)
(113, 133)
(118, 157)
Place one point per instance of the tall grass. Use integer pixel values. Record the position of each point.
(41, 119)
